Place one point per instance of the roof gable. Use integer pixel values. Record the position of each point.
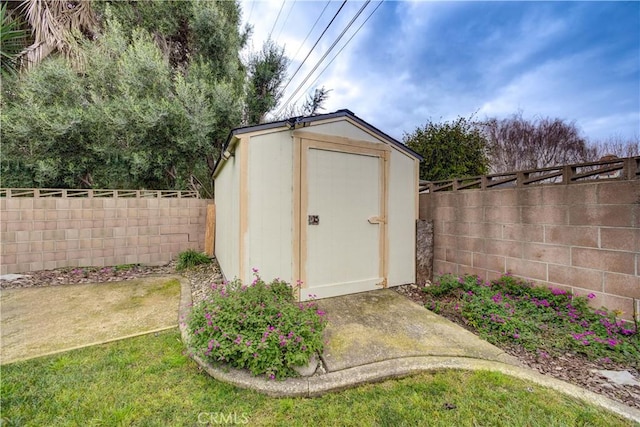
(300, 121)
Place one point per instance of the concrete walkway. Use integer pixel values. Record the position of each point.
(383, 325)
(378, 335)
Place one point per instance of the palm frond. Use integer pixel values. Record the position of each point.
(58, 25)
(12, 41)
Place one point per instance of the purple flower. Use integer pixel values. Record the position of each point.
(320, 313)
(516, 335)
(591, 295)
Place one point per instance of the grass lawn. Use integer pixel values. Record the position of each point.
(148, 381)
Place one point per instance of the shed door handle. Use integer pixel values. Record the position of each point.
(376, 220)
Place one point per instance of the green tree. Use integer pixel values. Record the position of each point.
(158, 92)
(113, 126)
(267, 71)
(454, 149)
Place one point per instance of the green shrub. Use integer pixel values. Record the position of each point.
(190, 258)
(512, 311)
(258, 327)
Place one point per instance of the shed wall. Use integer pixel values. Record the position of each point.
(268, 241)
(227, 187)
(401, 229)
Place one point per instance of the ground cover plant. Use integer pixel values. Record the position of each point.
(259, 327)
(515, 312)
(149, 380)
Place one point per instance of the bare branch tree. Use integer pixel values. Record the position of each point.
(616, 146)
(516, 143)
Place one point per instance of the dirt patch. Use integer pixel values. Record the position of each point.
(38, 320)
(85, 275)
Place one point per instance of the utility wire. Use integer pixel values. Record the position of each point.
(323, 57)
(253, 3)
(311, 30)
(276, 21)
(286, 19)
(341, 49)
(314, 46)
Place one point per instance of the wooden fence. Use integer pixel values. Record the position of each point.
(90, 193)
(615, 169)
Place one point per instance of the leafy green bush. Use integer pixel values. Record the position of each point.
(512, 311)
(258, 327)
(190, 258)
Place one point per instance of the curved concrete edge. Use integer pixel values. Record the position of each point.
(318, 385)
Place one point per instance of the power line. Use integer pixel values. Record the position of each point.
(310, 31)
(277, 17)
(323, 57)
(341, 49)
(286, 19)
(253, 3)
(314, 46)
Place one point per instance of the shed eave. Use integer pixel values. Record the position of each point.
(302, 121)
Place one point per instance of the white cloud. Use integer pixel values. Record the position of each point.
(400, 71)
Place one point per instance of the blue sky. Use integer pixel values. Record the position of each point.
(419, 61)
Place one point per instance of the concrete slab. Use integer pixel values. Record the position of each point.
(40, 321)
(381, 325)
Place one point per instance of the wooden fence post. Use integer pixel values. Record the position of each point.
(210, 231)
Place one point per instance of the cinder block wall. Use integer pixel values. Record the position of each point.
(47, 233)
(582, 237)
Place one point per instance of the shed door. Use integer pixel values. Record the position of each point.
(342, 220)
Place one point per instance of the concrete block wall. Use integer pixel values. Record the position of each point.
(53, 232)
(583, 237)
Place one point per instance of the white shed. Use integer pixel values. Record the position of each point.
(327, 201)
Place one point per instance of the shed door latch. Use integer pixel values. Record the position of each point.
(314, 219)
